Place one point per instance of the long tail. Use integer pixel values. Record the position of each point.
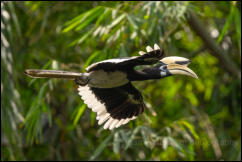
(53, 74)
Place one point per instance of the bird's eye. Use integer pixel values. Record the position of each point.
(163, 68)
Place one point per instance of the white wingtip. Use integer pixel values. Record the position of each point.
(113, 124)
(126, 121)
(103, 118)
(141, 52)
(119, 123)
(156, 47)
(108, 123)
(149, 49)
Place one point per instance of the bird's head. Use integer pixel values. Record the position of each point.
(175, 65)
(171, 66)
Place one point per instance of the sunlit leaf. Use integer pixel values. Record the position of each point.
(81, 18)
(227, 24)
(116, 21)
(81, 109)
(104, 16)
(132, 22)
(90, 19)
(164, 143)
(116, 143)
(82, 38)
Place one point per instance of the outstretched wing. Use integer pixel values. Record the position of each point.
(115, 106)
(152, 56)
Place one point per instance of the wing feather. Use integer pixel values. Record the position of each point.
(114, 106)
(151, 57)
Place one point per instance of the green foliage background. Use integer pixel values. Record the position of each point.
(185, 119)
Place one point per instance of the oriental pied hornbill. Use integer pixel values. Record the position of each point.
(106, 86)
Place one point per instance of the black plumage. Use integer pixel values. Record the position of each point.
(126, 63)
(106, 86)
(121, 102)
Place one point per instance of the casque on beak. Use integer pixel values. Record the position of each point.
(178, 65)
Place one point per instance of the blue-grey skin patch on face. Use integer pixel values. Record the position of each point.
(163, 70)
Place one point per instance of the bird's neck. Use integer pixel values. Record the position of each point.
(145, 74)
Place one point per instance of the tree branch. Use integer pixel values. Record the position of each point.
(200, 29)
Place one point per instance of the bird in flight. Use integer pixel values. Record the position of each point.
(106, 86)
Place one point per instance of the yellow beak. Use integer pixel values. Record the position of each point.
(178, 65)
(181, 69)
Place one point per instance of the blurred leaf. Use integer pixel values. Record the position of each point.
(101, 147)
(164, 143)
(93, 118)
(116, 143)
(83, 19)
(131, 138)
(175, 144)
(103, 17)
(124, 136)
(15, 19)
(90, 19)
(227, 24)
(132, 22)
(116, 21)
(237, 19)
(91, 58)
(191, 129)
(81, 109)
(33, 122)
(82, 38)
(145, 139)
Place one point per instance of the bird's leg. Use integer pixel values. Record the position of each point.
(82, 81)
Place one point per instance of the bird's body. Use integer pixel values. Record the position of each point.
(107, 79)
(106, 87)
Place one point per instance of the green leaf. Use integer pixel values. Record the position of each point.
(33, 124)
(81, 109)
(93, 118)
(117, 21)
(79, 19)
(191, 129)
(132, 22)
(15, 19)
(145, 139)
(104, 16)
(237, 20)
(164, 143)
(116, 143)
(37, 101)
(124, 136)
(100, 148)
(91, 58)
(90, 19)
(123, 52)
(226, 26)
(114, 33)
(81, 39)
(175, 144)
(131, 138)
